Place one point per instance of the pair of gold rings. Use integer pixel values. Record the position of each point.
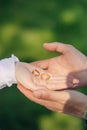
(44, 76)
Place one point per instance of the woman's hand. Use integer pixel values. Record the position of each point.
(33, 77)
(26, 76)
(68, 70)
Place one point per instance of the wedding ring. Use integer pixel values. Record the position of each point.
(45, 76)
(36, 72)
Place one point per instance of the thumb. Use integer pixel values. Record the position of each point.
(58, 47)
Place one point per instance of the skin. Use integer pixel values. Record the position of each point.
(72, 64)
(69, 69)
(30, 75)
(25, 76)
(66, 101)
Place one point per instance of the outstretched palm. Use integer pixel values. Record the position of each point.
(68, 70)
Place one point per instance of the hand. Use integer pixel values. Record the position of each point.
(28, 75)
(69, 69)
(67, 101)
(33, 77)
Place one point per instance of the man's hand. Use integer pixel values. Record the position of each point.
(68, 70)
(67, 101)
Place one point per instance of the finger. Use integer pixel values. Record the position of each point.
(51, 95)
(42, 64)
(56, 46)
(29, 94)
(24, 90)
(57, 86)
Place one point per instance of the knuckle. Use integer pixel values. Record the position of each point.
(44, 95)
(70, 47)
(56, 43)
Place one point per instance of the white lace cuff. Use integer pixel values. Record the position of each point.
(7, 71)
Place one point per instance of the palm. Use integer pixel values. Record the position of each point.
(67, 68)
(24, 75)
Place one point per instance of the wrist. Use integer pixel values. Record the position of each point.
(84, 109)
(81, 109)
(77, 106)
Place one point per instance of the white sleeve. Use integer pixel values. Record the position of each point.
(7, 71)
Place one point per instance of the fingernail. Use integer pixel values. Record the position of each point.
(76, 81)
(45, 43)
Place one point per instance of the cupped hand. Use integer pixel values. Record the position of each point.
(69, 69)
(32, 77)
(29, 75)
(66, 101)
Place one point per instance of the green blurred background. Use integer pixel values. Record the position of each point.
(24, 26)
